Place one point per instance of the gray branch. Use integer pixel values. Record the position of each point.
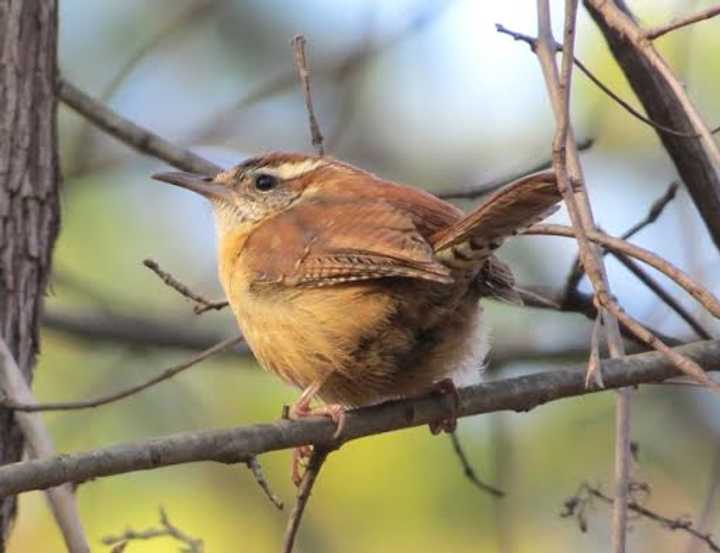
(239, 444)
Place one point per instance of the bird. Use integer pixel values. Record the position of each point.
(353, 288)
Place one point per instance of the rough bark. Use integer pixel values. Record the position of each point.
(29, 182)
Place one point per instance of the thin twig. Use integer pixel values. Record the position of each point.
(343, 69)
(39, 444)
(679, 22)
(202, 304)
(469, 471)
(167, 529)
(298, 44)
(469, 193)
(653, 214)
(682, 279)
(664, 295)
(170, 26)
(584, 304)
(126, 392)
(532, 42)
(254, 466)
(317, 458)
(576, 505)
(135, 136)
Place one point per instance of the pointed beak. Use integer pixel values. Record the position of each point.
(205, 186)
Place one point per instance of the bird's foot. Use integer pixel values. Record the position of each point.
(446, 387)
(334, 411)
(300, 410)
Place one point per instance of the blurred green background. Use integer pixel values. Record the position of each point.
(423, 92)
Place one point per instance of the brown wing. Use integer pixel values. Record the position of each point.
(506, 212)
(334, 242)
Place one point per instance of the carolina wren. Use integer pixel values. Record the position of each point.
(353, 288)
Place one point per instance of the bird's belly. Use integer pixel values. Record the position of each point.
(364, 340)
(303, 335)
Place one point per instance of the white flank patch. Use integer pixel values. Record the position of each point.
(469, 370)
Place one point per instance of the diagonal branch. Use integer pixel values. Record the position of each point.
(317, 459)
(135, 136)
(126, 392)
(680, 22)
(666, 101)
(239, 444)
(39, 444)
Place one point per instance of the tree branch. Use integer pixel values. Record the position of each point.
(135, 136)
(679, 22)
(39, 444)
(241, 443)
(666, 102)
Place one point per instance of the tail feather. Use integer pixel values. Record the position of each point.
(468, 246)
(508, 211)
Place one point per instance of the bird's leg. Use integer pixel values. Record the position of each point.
(301, 409)
(446, 387)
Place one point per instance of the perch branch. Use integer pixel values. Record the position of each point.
(241, 443)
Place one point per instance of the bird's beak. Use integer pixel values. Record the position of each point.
(205, 186)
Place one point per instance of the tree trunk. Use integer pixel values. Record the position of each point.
(29, 184)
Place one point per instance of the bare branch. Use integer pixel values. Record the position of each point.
(39, 444)
(656, 209)
(298, 44)
(571, 184)
(532, 42)
(666, 101)
(167, 529)
(317, 459)
(202, 304)
(135, 136)
(257, 472)
(122, 394)
(664, 295)
(171, 26)
(239, 444)
(575, 507)
(335, 70)
(679, 22)
(695, 289)
(469, 471)
(469, 193)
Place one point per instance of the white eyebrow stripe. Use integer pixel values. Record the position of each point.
(292, 169)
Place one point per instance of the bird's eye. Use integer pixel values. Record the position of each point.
(265, 182)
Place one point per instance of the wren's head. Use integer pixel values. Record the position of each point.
(249, 193)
